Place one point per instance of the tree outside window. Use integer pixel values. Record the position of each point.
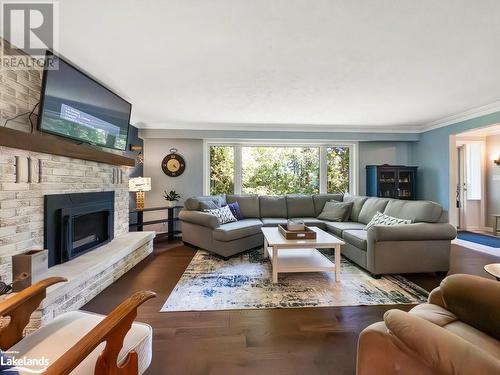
(337, 158)
(268, 170)
(221, 170)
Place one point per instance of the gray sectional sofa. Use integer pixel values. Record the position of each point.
(422, 246)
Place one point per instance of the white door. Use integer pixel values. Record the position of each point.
(461, 188)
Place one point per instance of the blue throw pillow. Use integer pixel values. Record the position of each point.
(235, 210)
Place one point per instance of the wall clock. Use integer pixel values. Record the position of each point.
(173, 164)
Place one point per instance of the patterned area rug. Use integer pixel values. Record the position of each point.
(243, 282)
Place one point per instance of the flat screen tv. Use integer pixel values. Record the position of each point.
(73, 105)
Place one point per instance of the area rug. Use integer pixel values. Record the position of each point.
(482, 239)
(243, 282)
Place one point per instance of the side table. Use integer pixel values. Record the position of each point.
(493, 269)
(171, 219)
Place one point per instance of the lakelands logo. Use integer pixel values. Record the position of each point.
(26, 365)
(30, 28)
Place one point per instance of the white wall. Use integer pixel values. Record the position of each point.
(190, 183)
(492, 178)
(375, 153)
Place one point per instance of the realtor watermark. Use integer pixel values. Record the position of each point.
(30, 29)
(10, 361)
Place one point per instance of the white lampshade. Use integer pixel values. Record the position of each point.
(139, 184)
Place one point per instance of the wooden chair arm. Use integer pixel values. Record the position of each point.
(19, 308)
(113, 330)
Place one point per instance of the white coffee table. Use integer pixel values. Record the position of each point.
(301, 255)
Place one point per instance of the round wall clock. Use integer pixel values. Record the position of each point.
(173, 164)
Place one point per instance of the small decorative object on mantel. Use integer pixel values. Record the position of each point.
(173, 164)
(139, 185)
(172, 198)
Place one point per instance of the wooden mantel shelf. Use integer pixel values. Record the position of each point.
(47, 144)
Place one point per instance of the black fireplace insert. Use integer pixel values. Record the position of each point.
(75, 224)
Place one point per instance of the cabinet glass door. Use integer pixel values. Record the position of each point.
(405, 184)
(387, 182)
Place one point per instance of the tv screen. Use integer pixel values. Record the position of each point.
(75, 106)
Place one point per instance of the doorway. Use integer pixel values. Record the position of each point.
(473, 179)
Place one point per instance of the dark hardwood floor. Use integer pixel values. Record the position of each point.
(268, 341)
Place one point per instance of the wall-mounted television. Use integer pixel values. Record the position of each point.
(73, 105)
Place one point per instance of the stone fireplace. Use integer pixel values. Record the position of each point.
(77, 223)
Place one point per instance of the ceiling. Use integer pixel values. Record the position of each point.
(385, 65)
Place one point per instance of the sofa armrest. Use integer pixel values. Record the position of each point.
(200, 218)
(443, 351)
(474, 300)
(412, 232)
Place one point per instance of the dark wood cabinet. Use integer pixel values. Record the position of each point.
(391, 181)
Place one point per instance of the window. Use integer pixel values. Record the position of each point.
(276, 169)
(221, 170)
(268, 170)
(338, 166)
(473, 155)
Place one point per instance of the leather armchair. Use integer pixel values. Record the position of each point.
(457, 332)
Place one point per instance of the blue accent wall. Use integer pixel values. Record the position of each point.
(431, 155)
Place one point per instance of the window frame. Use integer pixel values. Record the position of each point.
(323, 146)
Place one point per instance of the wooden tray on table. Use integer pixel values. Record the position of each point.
(306, 234)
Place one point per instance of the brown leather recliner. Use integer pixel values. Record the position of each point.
(457, 332)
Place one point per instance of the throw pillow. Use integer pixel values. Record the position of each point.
(382, 219)
(336, 211)
(235, 210)
(223, 214)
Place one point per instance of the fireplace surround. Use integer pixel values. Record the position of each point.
(77, 223)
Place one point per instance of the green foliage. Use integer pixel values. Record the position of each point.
(268, 170)
(337, 169)
(280, 170)
(221, 170)
(171, 196)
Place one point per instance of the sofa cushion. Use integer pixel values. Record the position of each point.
(236, 230)
(338, 227)
(370, 208)
(300, 205)
(320, 200)
(356, 237)
(312, 222)
(57, 336)
(210, 201)
(273, 221)
(336, 211)
(357, 204)
(249, 204)
(416, 211)
(273, 206)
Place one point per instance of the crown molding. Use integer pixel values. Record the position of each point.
(463, 116)
(300, 128)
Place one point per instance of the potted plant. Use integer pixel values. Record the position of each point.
(172, 198)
